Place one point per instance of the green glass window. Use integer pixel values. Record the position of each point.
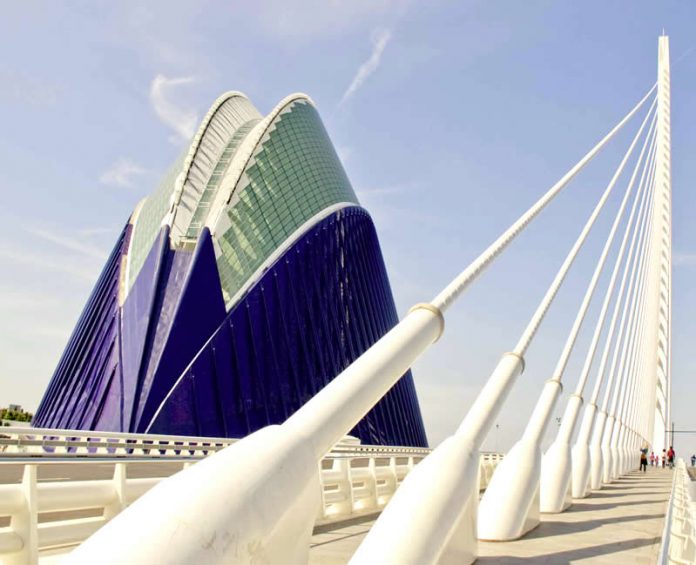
(294, 175)
(149, 220)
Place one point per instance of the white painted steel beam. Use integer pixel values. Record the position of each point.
(663, 241)
(449, 533)
(516, 483)
(257, 500)
(270, 478)
(555, 495)
(581, 449)
(636, 251)
(628, 314)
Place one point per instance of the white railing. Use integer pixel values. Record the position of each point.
(28, 442)
(679, 535)
(356, 480)
(24, 443)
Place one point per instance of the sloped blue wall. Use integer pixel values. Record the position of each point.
(318, 308)
(171, 361)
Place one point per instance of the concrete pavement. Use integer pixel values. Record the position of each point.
(621, 524)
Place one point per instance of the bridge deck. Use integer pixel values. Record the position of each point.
(622, 523)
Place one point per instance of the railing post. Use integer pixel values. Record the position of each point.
(374, 494)
(271, 477)
(25, 522)
(119, 480)
(343, 466)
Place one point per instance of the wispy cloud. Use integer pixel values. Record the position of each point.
(183, 121)
(315, 19)
(48, 263)
(684, 259)
(684, 55)
(380, 38)
(394, 206)
(122, 173)
(344, 152)
(69, 243)
(96, 231)
(12, 299)
(382, 191)
(26, 89)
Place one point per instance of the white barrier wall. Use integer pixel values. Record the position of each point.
(679, 535)
(355, 480)
(22, 441)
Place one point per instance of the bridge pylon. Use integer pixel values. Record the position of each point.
(260, 495)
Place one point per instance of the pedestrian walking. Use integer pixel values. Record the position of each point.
(664, 458)
(670, 457)
(643, 461)
(652, 458)
(693, 460)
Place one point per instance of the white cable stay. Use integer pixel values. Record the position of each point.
(633, 310)
(268, 481)
(504, 490)
(556, 464)
(393, 527)
(581, 451)
(466, 277)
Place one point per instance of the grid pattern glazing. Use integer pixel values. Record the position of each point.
(219, 125)
(149, 220)
(294, 175)
(208, 195)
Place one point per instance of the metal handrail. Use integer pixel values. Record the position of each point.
(680, 507)
(356, 480)
(16, 442)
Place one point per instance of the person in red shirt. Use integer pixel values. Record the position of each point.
(670, 457)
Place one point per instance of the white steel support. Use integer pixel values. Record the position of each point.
(620, 347)
(644, 347)
(638, 242)
(256, 501)
(581, 449)
(628, 376)
(641, 389)
(515, 484)
(555, 495)
(597, 447)
(445, 500)
(270, 478)
(662, 234)
(622, 354)
(25, 523)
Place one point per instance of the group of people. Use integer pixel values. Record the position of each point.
(666, 459)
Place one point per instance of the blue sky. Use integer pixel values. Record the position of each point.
(451, 119)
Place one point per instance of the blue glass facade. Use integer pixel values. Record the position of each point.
(235, 329)
(90, 364)
(320, 306)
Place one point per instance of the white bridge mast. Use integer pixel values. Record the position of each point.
(662, 253)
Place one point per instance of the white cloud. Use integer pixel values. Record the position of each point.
(43, 264)
(27, 89)
(684, 259)
(122, 173)
(88, 232)
(182, 121)
(20, 300)
(69, 243)
(344, 152)
(314, 19)
(382, 191)
(380, 38)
